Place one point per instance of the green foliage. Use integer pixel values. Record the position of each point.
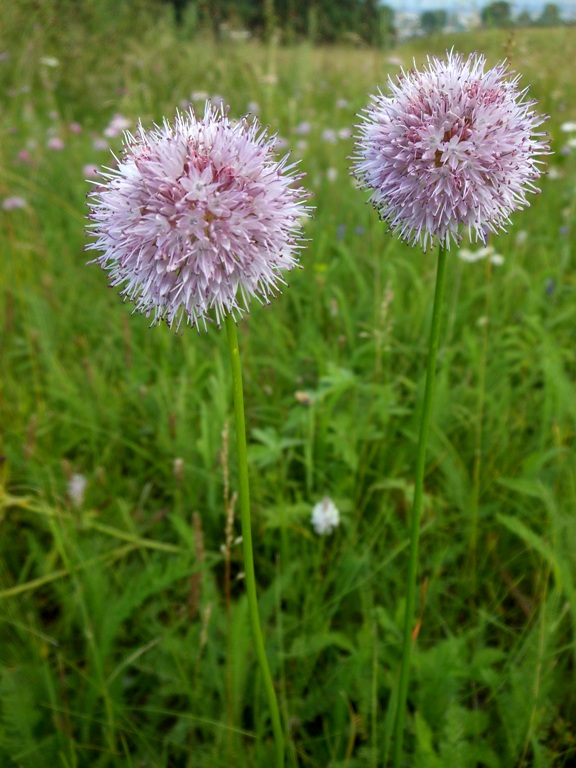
(497, 14)
(433, 21)
(550, 16)
(123, 629)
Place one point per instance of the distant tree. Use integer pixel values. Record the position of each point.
(550, 16)
(524, 19)
(330, 20)
(497, 14)
(365, 21)
(433, 21)
(387, 28)
(179, 6)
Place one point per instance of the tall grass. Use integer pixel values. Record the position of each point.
(124, 636)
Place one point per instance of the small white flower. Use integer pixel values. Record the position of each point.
(486, 252)
(470, 256)
(325, 517)
(76, 489)
(569, 127)
(555, 173)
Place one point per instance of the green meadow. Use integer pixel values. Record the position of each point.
(124, 632)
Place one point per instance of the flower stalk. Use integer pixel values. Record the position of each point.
(417, 509)
(250, 578)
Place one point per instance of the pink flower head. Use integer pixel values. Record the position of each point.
(91, 171)
(115, 127)
(13, 203)
(453, 146)
(199, 216)
(55, 143)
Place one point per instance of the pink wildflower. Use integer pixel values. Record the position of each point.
(115, 127)
(13, 203)
(199, 216)
(91, 171)
(453, 146)
(55, 143)
(100, 145)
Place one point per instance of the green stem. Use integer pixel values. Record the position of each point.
(244, 496)
(417, 511)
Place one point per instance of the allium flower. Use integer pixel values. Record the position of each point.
(453, 147)
(325, 517)
(199, 216)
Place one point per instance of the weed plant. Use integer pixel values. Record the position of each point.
(124, 629)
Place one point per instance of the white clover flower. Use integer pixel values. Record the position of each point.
(49, 61)
(486, 252)
(197, 218)
(325, 517)
(465, 254)
(76, 489)
(453, 147)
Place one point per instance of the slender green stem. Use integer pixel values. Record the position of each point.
(417, 511)
(244, 497)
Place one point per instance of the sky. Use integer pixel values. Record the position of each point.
(534, 6)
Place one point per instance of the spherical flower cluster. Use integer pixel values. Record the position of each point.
(197, 218)
(453, 147)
